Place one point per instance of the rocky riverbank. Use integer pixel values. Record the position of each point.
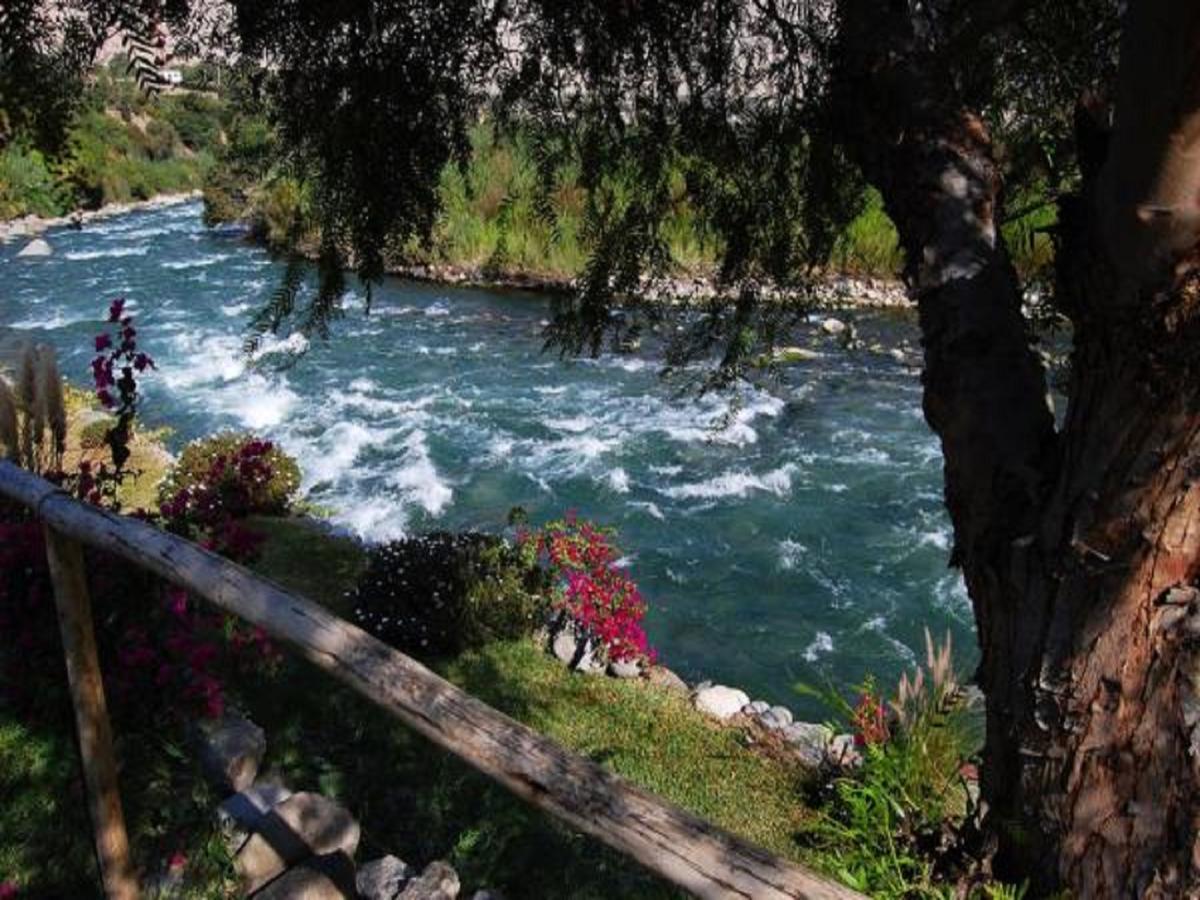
(32, 226)
(837, 291)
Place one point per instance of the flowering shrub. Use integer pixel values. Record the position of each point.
(600, 600)
(155, 639)
(237, 472)
(441, 593)
(869, 718)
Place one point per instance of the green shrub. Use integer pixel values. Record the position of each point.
(271, 497)
(92, 435)
(158, 140)
(196, 118)
(869, 245)
(882, 825)
(28, 186)
(438, 594)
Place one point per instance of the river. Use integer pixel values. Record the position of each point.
(800, 540)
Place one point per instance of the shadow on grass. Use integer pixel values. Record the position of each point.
(421, 803)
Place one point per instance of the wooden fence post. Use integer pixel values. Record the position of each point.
(91, 715)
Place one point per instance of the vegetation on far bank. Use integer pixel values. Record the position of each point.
(498, 217)
(120, 145)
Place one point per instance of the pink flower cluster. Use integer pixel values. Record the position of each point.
(234, 486)
(600, 599)
(869, 720)
(185, 657)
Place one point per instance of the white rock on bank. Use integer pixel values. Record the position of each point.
(776, 717)
(625, 668)
(36, 247)
(720, 702)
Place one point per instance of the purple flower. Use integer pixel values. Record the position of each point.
(141, 362)
(115, 309)
(103, 342)
(105, 398)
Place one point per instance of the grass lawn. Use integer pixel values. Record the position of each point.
(411, 798)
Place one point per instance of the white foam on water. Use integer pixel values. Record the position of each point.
(821, 644)
(878, 624)
(736, 484)
(236, 309)
(199, 262)
(84, 255)
(551, 391)
(573, 425)
(375, 518)
(331, 457)
(57, 319)
(419, 478)
(651, 509)
(264, 405)
(439, 308)
(618, 480)
(293, 345)
(790, 553)
(938, 537)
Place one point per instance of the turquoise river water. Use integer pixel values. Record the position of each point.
(800, 540)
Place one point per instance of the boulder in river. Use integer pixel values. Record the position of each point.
(36, 247)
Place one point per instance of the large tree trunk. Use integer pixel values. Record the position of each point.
(1081, 547)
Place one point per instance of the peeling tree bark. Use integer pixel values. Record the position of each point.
(1081, 548)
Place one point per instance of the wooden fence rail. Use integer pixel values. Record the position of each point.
(680, 847)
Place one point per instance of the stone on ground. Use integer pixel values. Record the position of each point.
(844, 752)
(303, 825)
(438, 882)
(833, 326)
(756, 707)
(240, 815)
(231, 750)
(624, 668)
(809, 741)
(327, 877)
(384, 878)
(720, 702)
(776, 717)
(661, 676)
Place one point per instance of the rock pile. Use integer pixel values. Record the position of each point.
(288, 844)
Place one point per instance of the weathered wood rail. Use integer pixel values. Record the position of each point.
(682, 848)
